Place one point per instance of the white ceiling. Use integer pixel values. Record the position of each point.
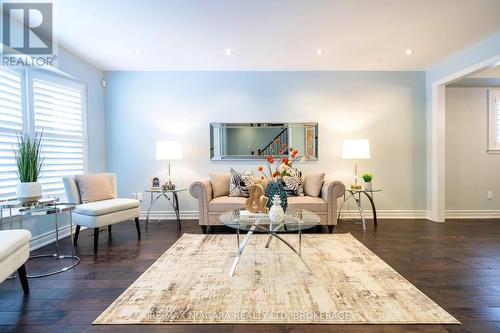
(272, 34)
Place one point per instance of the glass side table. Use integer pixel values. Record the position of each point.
(356, 195)
(15, 204)
(41, 208)
(172, 198)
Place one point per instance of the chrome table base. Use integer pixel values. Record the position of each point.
(75, 261)
(57, 255)
(273, 232)
(356, 195)
(174, 202)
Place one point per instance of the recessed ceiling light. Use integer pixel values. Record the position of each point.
(319, 52)
(409, 51)
(229, 52)
(139, 51)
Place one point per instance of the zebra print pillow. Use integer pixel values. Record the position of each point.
(293, 183)
(239, 183)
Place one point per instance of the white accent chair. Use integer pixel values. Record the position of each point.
(14, 251)
(102, 213)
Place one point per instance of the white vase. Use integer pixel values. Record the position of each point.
(368, 186)
(29, 192)
(276, 213)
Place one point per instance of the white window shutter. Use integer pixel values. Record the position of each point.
(58, 113)
(497, 109)
(11, 123)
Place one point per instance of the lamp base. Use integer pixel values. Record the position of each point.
(355, 187)
(168, 187)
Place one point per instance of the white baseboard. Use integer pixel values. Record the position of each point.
(50, 237)
(388, 214)
(383, 214)
(169, 215)
(472, 214)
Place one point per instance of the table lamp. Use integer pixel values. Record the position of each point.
(168, 151)
(356, 150)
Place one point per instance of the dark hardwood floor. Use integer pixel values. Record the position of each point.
(456, 263)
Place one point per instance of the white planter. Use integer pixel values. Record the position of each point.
(368, 186)
(276, 213)
(29, 192)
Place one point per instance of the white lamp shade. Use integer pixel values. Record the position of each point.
(356, 149)
(168, 150)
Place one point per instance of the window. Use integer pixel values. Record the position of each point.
(11, 123)
(54, 105)
(58, 113)
(494, 120)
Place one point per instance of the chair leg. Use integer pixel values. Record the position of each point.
(96, 239)
(330, 228)
(138, 227)
(77, 232)
(23, 277)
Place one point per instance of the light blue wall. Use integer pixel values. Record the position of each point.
(386, 107)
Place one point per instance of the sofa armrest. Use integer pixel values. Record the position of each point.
(330, 192)
(202, 190)
(332, 189)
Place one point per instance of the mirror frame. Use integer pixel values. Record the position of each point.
(258, 157)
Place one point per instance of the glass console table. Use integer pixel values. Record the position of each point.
(47, 207)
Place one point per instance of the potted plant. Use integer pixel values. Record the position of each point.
(367, 178)
(29, 160)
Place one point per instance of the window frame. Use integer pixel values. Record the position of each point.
(22, 111)
(493, 121)
(62, 81)
(28, 106)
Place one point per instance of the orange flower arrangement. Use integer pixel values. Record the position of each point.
(286, 159)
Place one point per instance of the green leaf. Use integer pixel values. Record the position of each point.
(28, 156)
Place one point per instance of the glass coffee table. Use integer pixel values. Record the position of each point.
(295, 221)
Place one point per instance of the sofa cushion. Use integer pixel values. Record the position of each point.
(94, 187)
(106, 206)
(313, 183)
(220, 184)
(307, 202)
(12, 240)
(225, 203)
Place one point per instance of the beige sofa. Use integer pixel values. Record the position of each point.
(211, 208)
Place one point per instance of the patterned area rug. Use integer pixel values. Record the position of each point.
(347, 284)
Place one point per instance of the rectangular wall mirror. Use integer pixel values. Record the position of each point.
(250, 141)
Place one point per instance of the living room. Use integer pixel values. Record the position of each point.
(339, 157)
